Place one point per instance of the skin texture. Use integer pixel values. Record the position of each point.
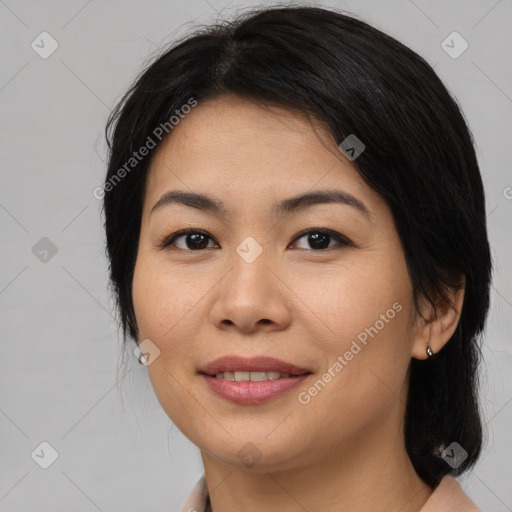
(344, 449)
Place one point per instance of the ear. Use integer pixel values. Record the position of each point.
(436, 324)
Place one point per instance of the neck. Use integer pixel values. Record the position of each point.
(370, 475)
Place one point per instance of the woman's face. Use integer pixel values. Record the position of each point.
(253, 283)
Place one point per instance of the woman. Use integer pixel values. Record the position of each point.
(295, 226)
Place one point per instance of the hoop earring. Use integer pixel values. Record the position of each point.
(430, 353)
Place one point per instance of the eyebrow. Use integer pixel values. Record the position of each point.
(281, 208)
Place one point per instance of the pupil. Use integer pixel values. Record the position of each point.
(319, 239)
(195, 239)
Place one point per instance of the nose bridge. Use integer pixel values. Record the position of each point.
(249, 265)
(249, 250)
(251, 294)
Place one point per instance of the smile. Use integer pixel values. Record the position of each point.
(248, 391)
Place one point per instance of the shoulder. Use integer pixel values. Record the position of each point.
(449, 496)
(198, 499)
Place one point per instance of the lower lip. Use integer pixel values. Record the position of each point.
(252, 392)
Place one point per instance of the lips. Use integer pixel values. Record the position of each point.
(251, 364)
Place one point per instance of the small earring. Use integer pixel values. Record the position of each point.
(430, 353)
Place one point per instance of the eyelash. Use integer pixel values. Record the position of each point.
(342, 240)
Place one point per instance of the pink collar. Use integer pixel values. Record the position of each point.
(447, 497)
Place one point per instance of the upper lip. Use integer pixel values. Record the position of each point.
(251, 364)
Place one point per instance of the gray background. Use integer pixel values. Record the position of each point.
(60, 351)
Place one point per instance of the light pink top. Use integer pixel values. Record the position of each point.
(447, 497)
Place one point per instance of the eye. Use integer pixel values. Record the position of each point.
(194, 240)
(319, 239)
(197, 240)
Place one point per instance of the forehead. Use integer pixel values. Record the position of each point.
(249, 152)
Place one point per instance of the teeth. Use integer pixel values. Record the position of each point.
(252, 376)
(240, 376)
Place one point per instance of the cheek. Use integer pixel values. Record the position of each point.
(355, 301)
(164, 299)
(362, 333)
(364, 376)
(163, 305)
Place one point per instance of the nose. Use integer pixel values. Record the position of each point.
(252, 297)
